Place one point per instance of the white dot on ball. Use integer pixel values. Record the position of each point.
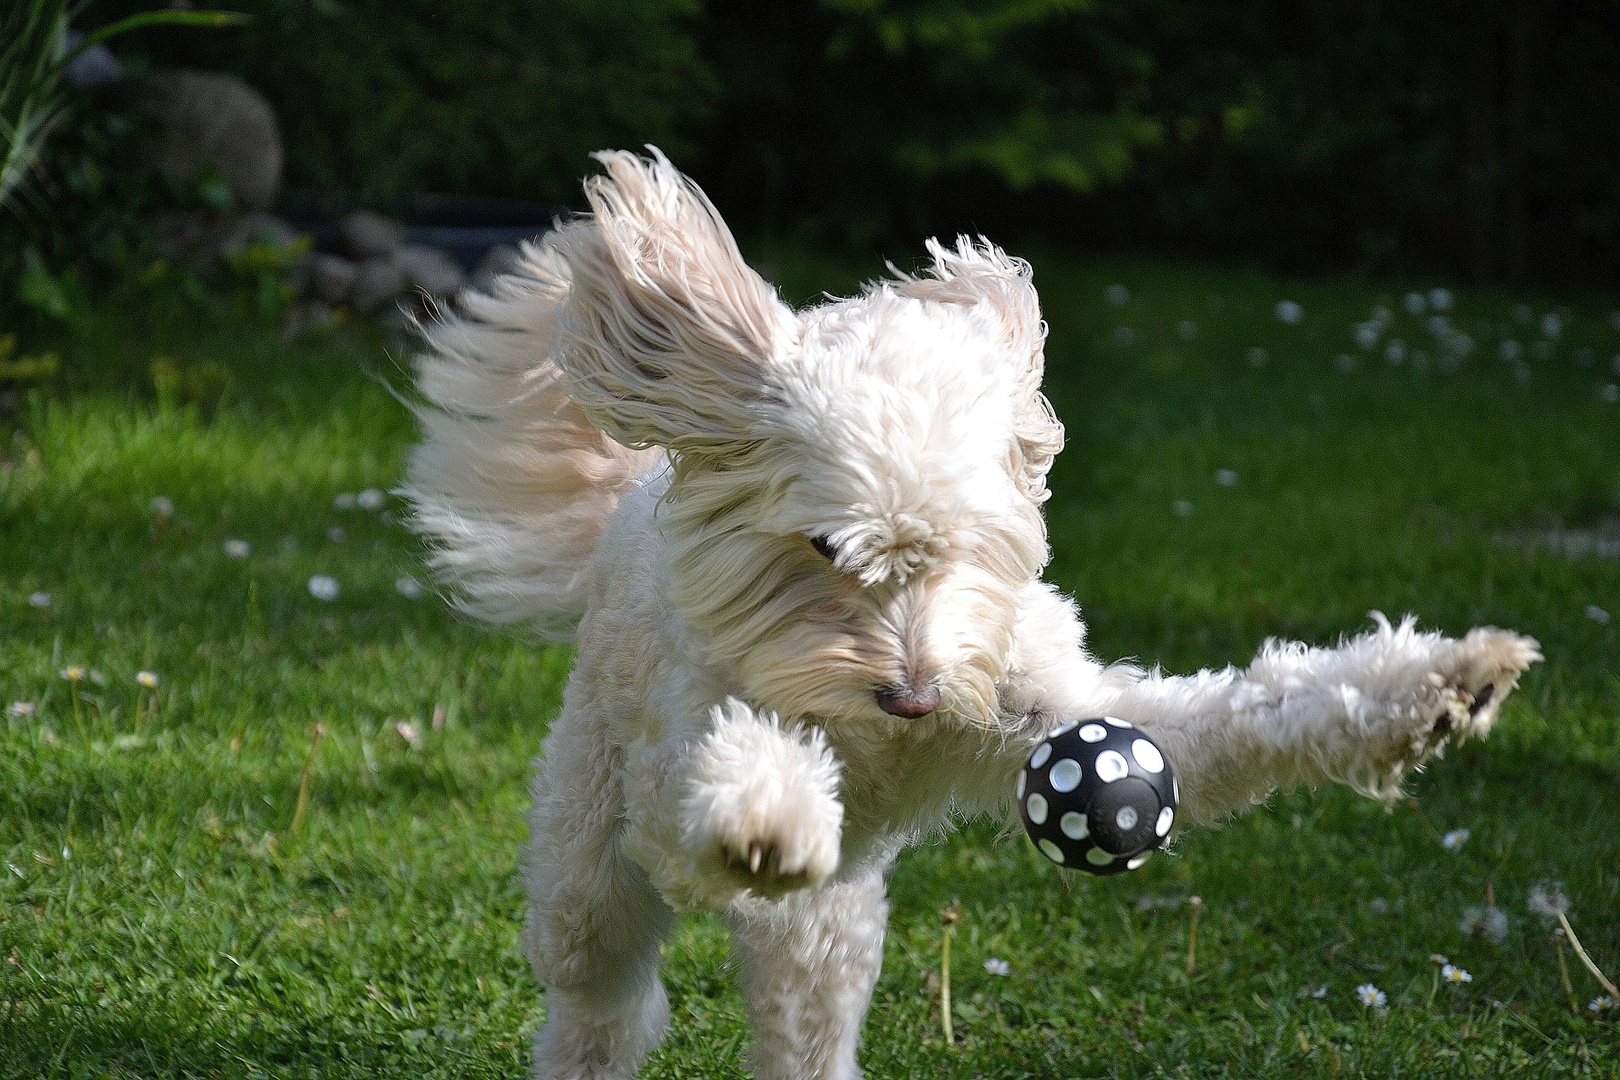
(1126, 817)
(1166, 816)
(1138, 861)
(1147, 755)
(1098, 857)
(1049, 849)
(1059, 730)
(1111, 766)
(1023, 782)
(1116, 721)
(1094, 733)
(1065, 775)
(1074, 825)
(1036, 805)
(1038, 758)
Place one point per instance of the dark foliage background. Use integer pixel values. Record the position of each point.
(1480, 139)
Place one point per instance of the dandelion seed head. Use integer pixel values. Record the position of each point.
(1344, 363)
(1289, 313)
(97, 677)
(1610, 393)
(1395, 352)
(1489, 922)
(1551, 325)
(1118, 295)
(1367, 333)
(1509, 350)
(1319, 993)
(1181, 508)
(163, 507)
(39, 599)
(1455, 839)
(1123, 336)
(370, 499)
(1440, 299)
(408, 587)
(237, 549)
(1547, 899)
(323, 587)
(336, 534)
(1258, 357)
(344, 501)
(1416, 303)
(1226, 477)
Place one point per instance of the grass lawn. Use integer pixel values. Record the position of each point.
(1229, 476)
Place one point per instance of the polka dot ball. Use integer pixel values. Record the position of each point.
(1098, 796)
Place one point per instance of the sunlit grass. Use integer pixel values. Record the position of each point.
(158, 915)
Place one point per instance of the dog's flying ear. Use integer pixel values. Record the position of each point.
(982, 275)
(671, 334)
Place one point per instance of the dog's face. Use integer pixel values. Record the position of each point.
(857, 495)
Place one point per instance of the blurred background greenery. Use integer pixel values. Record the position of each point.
(1480, 140)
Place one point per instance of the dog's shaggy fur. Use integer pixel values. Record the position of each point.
(803, 552)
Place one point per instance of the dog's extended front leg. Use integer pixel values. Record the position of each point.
(1362, 713)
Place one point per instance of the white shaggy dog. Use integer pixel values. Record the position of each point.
(803, 553)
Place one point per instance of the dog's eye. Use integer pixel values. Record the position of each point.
(824, 548)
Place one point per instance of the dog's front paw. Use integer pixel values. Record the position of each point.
(1485, 667)
(762, 812)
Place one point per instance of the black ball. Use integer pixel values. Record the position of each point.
(1098, 796)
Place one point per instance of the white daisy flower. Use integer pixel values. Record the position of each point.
(1455, 839)
(21, 708)
(1371, 996)
(237, 549)
(997, 966)
(148, 679)
(1601, 1003)
(1455, 974)
(73, 673)
(322, 587)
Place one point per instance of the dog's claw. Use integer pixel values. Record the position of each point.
(755, 854)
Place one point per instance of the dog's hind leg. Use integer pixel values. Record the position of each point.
(594, 922)
(810, 961)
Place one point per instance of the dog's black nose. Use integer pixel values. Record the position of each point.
(907, 702)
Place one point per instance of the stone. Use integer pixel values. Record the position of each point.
(431, 270)
(377, 284)
(331, 277)
(203, 120)
(364, 235)
(498, 260)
